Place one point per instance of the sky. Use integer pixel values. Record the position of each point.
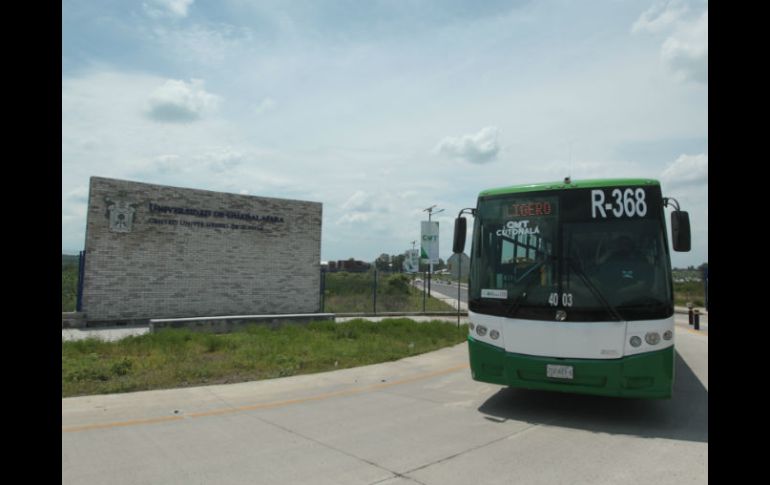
(381, 109)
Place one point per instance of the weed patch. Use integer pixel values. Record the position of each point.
(178, 358)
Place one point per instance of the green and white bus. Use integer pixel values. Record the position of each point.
(570, 287)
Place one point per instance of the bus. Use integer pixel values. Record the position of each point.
(570, 286)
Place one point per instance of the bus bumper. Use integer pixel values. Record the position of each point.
(649, 375)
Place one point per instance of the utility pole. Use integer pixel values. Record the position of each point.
(430, 210)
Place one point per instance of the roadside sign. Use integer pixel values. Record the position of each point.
(429, 241)
(412, 261)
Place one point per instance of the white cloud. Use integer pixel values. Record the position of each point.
(180, 102)
(478, 148)
(359, 201)
(265, 105)
(687, 170)
(223, 159)
(686, 180)
(206, 160)
(207, 46)
(658, 18)
(106, 131)
(354, 218)
(78, 195)
(167, 8)
(168, 163)
(684, 52)
(358, 208)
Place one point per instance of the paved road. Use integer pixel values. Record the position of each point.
(417, 420)
(449, 291)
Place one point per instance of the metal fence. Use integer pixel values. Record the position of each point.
(81, 273)
(381, 292)
(369, 292)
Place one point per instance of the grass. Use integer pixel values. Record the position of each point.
(354, 293)
(69, 286)
(691, 291)
(180, 358)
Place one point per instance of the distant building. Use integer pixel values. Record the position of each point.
(464, 267)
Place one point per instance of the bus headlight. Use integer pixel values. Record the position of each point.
(471, 326)
(494, 334)
(481, 330)
(636, 341)
(652, 338)
(668, 335)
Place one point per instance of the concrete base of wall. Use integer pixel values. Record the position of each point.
(140, 322)
(73, 320)
(227, 324)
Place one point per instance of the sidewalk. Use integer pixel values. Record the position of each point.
(108, 334)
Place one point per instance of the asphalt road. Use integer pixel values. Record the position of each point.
(417, 420)
(449, 290)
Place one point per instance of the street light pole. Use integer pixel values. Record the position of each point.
(430, 211)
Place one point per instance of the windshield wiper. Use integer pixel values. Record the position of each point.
(598, 294)
(511, 312)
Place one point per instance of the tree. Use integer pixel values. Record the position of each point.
(382, 263)
(397, 261)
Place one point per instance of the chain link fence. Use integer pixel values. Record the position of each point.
(382, 292)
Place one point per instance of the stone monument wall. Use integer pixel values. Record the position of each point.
(154, 251)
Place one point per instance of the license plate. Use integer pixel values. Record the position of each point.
(499, 294)
(559, 371)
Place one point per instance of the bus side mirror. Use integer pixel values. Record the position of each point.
(680, 231)
(458, 245)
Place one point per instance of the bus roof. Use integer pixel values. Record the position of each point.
(562, 185)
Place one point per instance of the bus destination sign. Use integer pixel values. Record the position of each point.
(529, 209)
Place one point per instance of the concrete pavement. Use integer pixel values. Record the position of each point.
(416, 420)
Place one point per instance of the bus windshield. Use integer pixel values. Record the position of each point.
(536, 253)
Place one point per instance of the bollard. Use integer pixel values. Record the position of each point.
(696, 318)
(690, 315)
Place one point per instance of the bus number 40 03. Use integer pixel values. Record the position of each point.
(627, 203)
(566, 299)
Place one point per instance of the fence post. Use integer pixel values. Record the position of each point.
(424, 288)
(375, 292)
(81, 273)
(323, 290)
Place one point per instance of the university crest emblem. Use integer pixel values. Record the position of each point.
(121, 215)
